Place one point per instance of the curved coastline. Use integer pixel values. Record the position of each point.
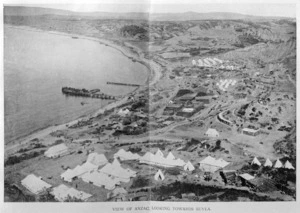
(108, 43)
(153, 77)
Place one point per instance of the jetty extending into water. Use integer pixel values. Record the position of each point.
(123, 84)
(86, 93)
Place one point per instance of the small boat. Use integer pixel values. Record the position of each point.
(74, 37)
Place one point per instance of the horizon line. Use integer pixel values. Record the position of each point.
(145, 12)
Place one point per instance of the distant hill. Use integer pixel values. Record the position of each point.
(204, 16)
(33, 11)
(37, 11)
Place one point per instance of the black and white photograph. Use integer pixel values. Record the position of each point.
(149, 101)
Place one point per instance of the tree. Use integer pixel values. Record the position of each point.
(218, 144)
(47, 197)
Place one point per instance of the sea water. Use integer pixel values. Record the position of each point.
(38, 64)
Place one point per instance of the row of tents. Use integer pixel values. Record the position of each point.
(109, 176)
(155, 159)
(208, 164)
(211, 164)
(211, 62)
(61, 193)
(158, 159)
(277, 164)
(207, 62)
(126, 155)
(223, 84)
(94, 161)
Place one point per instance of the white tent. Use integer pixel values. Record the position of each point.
(268, 163)
(210, 164)
(212, 61)
(179, 162)
(288, 165)
(67, 175)
(123, 112)
(35, 184)
(171, 156)
(189, 166)
(56, 151)
(62, 192)
(255, 161)
(123, 155)
(206, 62)
(200, 63)
(97, 159)
(159, 175)
(118, 191)
(159, 160)
(147, 158)
(218, 60)
(100, 179)
(118, 172)
(212, 133)
(194, 63)
(88, 167)
(278, 164)
(78, 171)
(159, 153)
(116, 163)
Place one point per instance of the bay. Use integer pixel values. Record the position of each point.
(38, 64)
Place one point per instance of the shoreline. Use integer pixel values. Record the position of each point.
(153, 76)
(109, 43)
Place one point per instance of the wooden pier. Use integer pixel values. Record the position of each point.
(124, 84)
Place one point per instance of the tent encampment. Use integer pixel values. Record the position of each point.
(159, 160)
(159, 176)
(78, 171)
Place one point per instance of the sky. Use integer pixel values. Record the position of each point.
(287, 9)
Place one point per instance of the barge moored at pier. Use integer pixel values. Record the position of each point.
(95, 93)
